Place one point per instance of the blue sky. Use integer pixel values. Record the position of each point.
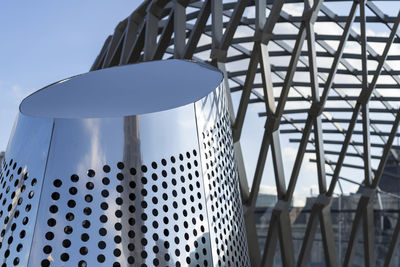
(45, 42)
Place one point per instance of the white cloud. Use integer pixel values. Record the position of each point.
(267, 189)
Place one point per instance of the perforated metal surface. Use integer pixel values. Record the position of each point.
(21, 178)
(225, 204)
(149, 215)
(144, 190)
(18, 192)
(227, 230)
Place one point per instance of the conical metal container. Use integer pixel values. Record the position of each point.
(130, 165)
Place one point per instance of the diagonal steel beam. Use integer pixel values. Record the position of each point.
(271, 109)
(153, 17)
(369, 235)
(272, 240)
(100, 58)
(378, 175)
(355, 230)
(233, 24)
(309, 236)
(312, 118)
(348, 66)
(116, 42)
(365, 208)
(165, 37)
(132, 31)
(325, 222)
(386, 151)
(329, 245)
(373, 55)
(129, 28)
(179, 27)
(363, 98)
(393, 244)
(135, 51)
(279, 229)
(316, 101)
(319, 107)
(273, 120)
(271, 136)
(322, 207)
(244, 100)
(197, 29)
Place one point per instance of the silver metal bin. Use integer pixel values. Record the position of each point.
(130, 165)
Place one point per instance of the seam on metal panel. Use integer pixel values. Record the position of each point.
(41, 190)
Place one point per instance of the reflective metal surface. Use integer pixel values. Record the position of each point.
(156, 189)
(221, 181)
(21, 180)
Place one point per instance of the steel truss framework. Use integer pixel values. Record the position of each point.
(357, 87)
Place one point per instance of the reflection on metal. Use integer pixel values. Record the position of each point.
(102, 182)
(337, 91)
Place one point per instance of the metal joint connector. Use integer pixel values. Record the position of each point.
(183, 3)
(262, 37)
(323, 200)
(282, 205)
(367, 192)
(272, 123)
(155, 10)
(137, 18)
(121, 26)
(307, 14)
(219, 54)
(316, 109)
(364, 97)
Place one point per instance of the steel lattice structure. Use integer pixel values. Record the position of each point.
(336, 92)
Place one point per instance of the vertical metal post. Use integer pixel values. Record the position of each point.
(365, 108)
(368, 216)
(179, 28)
(150, 40)
(115, 44)
(195, 34)
(217, 23)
